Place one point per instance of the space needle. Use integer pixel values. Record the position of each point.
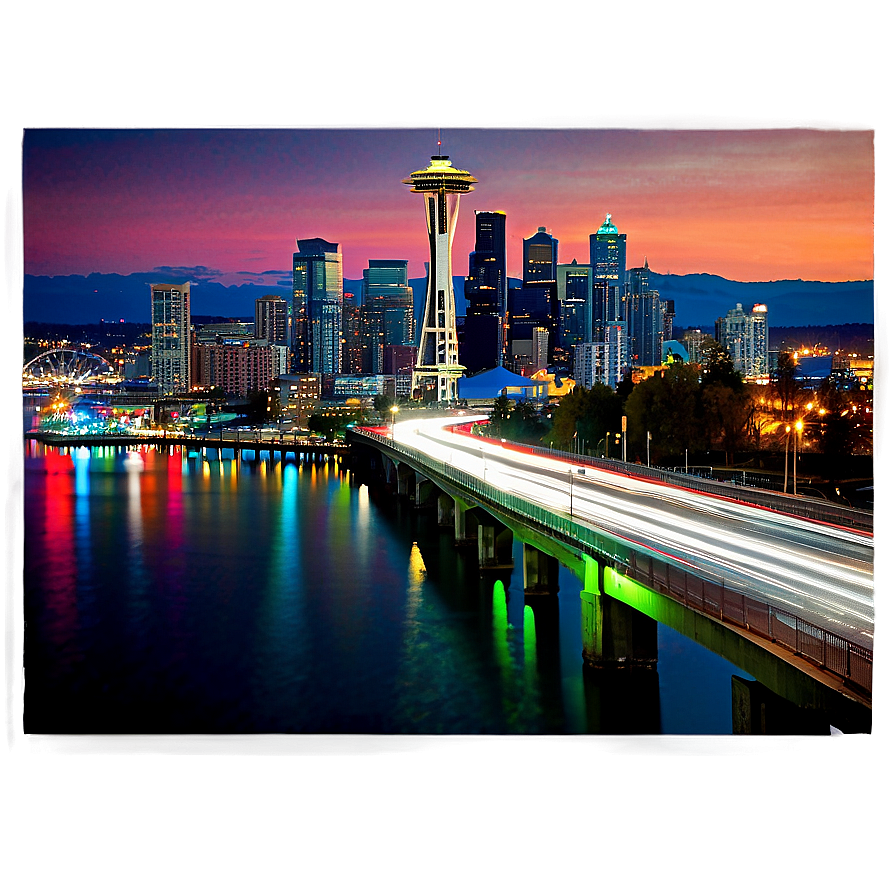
(437, 369)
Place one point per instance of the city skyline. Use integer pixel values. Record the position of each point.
(746, 205)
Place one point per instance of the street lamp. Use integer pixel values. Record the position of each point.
(648, 447)
(394, 410)
(796, 436)
(786, 446)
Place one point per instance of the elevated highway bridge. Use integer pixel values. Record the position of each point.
(780, 586)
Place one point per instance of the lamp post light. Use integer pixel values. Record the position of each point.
(394, 411)
(796, 439)
(786, 445)
(648, 447)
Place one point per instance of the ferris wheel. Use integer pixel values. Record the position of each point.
(66, 366)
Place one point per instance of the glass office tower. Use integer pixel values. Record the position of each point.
(317, 306)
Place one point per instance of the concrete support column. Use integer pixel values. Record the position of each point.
(614, 634)
(445, 509)
(404, 483)
(423, 491)
(461, 536)
(495, 547)
(541, 572)
(757, 710)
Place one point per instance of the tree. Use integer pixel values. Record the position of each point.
(837, 437)
(500, 416)
(718, 366)
(667, 405)
(587, 414)
(727, 413)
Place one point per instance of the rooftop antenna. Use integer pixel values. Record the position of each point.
(440, 142)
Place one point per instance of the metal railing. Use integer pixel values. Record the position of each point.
(706, 593)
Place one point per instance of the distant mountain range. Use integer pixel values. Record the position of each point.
(699, 298)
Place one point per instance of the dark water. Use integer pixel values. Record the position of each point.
(167, 593)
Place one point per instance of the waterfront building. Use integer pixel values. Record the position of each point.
(239, 368)
(486, 293)
(745, 337)
(171, 336)
(438, 367)
(271, 320)
(298, 394)
(317, 307)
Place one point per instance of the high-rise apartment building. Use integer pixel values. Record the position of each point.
(171, 336)
(486, 292)
(745, 337)
(317, 307)
(438, 367)
(271, 320)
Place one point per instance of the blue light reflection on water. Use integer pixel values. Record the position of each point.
(214, 594)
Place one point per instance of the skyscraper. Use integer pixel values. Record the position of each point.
(171, 336)
(388, 296)
(607, 249)
(646, 318)
(540, 258)
(486, 293)
(271, 319)
(317, 306)
(438, 369)
(574, 288)
(534, 303)
(745, 337)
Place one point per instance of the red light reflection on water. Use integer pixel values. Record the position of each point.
(53, 546)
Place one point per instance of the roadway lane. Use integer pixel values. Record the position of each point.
(820, 572)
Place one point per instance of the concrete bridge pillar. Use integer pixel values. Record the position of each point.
(755, 709)
(445, 510)
(613, 633)
(541, 572)
(495, 546)
(407, 479)
(424, 491)
(464, 523)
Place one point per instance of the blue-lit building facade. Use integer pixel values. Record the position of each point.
(317, 307)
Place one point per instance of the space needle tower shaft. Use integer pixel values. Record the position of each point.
(437, 369)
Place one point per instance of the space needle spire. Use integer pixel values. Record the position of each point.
(437, 369)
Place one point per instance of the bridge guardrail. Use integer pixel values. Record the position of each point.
(707, 593)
